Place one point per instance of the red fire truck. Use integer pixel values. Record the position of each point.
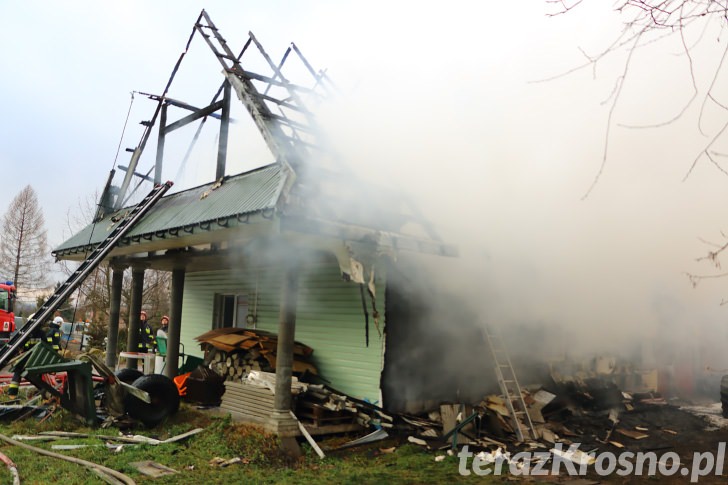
(7, 303)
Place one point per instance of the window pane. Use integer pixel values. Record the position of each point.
(241, 312)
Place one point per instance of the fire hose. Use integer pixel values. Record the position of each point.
(105, 473)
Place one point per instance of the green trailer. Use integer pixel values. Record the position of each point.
(149, 398)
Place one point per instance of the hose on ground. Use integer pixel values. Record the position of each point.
(104, 472)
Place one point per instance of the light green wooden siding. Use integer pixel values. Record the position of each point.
(198, 301)
(329, 319)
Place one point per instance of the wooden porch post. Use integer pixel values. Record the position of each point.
(282, 423)
(175, 322)
(224, 128)
(112, 336)
(135, 307)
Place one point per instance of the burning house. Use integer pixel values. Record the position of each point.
(299, 248)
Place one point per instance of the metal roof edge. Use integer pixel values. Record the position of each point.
(266, 214)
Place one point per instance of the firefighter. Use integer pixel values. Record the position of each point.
(147, 342)
(35, 337)
(53, 336)
(162, 332)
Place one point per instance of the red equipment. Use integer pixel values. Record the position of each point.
(7, 304)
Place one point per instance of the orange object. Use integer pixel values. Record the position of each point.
(181, 382)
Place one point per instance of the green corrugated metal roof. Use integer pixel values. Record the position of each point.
(242, 194)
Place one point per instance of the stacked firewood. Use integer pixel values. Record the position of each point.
(234, 352)
(237, 364)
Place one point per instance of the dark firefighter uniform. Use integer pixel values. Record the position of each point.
(35, 337)
(53, 336)
(147, 342)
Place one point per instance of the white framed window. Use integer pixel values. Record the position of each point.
(231, 310)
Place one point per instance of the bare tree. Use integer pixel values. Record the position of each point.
(93, 297)
(643, 23)
(24, 249)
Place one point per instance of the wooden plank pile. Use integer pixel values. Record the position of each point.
(320, 405)
(315, 405)
(234, 352)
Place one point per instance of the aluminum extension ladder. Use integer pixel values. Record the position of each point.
(89, 264)
(509, 386)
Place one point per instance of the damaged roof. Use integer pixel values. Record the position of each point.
(307, 192)
(199, 215)
(205, 208)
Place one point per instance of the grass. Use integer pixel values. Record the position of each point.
(262, 460)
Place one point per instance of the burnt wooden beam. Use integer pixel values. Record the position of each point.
(177, 103)
(201, 113)
(224, 129)
(124, 168)
(275, 82)
(160, 145)
(282, 103)
(292, 123)
(121, 199)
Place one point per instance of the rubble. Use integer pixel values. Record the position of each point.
(153, 469)
(576, 456)
(222, 462)
(308, 437)
(315, 405)
(591, 412)
(372, 437)
(632, 434)
(582, 405)
(136, 439)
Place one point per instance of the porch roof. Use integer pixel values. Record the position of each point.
(250, 204)
(210, 207)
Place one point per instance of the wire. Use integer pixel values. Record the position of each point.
(93, 227)
(123, 130)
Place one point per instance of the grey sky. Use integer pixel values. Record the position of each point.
(438, 100)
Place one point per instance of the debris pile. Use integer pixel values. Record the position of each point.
(315, 405)
(591, 412)
(321, 405)
(234, 352)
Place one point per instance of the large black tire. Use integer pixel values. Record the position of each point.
(163, 394)
(128, 376)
